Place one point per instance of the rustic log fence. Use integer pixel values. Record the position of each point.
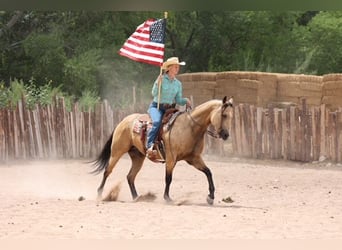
(299, 133)
(51, 131)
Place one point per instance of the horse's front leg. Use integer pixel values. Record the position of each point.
(198, 163)
(211, 195)
(168, 180)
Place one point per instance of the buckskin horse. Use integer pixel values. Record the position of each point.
(183, 141)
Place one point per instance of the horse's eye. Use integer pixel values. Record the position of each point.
(224, 115)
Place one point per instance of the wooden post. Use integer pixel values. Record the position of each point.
(233, 131)
(238, 130)
(259, 134)
(314, 144)
(284, 134)
(323, 152)
(245, 131)
(334, 142)
(2, 136)
(339, 135)
(292, 133)
(252, 115)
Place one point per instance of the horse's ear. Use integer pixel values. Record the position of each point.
(230, 101)
(224, 100)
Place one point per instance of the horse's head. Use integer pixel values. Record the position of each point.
(222, 118)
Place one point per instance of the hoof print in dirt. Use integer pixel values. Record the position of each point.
(227, 200)
(149, 197)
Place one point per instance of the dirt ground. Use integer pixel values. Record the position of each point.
(254, 200)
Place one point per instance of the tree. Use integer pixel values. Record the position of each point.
(76, 51)
(325, 38)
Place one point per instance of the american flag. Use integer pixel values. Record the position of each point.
(146, 44)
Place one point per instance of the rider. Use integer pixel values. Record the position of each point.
(171, 93)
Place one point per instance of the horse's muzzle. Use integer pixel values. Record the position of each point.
(224, 134)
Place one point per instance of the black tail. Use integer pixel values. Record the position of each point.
(102, 160)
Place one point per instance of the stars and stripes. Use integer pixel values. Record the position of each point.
(146, 44)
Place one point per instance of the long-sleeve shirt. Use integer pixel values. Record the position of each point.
(171, 91)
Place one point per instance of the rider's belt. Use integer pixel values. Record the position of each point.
(164, 105)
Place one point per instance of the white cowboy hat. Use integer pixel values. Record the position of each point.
(172, 61)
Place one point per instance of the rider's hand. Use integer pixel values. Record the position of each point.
(159, 79)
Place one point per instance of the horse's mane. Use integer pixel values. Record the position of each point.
(212, 104)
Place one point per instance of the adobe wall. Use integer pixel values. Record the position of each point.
(262, 89)
(332, 90)
(202, 86)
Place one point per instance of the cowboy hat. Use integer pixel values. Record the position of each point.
(172, 61)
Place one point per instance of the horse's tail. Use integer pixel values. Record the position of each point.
(101, 162)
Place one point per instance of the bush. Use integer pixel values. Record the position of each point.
(43, 95)
(88, 100)
(31, 93)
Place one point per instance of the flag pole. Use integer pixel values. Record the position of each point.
(161, 72)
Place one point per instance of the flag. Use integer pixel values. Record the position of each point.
(146, 44)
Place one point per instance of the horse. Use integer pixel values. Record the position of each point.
(183, 141)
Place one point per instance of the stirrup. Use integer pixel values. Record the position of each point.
(151, 152)
(154, 154)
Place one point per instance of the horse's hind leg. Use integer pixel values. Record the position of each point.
(137, 162)
(112, 162)
(198, 163)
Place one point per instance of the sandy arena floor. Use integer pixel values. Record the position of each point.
(271, 200)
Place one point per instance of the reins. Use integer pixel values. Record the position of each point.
(209, 132)
(213, 134)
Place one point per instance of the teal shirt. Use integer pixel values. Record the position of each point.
(171, 91)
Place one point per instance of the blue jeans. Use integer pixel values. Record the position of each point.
(156, 116)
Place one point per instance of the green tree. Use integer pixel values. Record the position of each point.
(77, 51)
(325, 39)
(45, 57)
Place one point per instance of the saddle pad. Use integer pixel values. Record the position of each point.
(139, 123)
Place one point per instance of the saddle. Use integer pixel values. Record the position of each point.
(143, 124)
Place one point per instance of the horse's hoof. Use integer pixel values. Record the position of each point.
(210, 200)
(168, 199)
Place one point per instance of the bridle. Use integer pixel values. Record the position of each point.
(214, 133)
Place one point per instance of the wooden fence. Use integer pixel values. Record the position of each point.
(53, 132)
(292, 133)
(299, 133)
